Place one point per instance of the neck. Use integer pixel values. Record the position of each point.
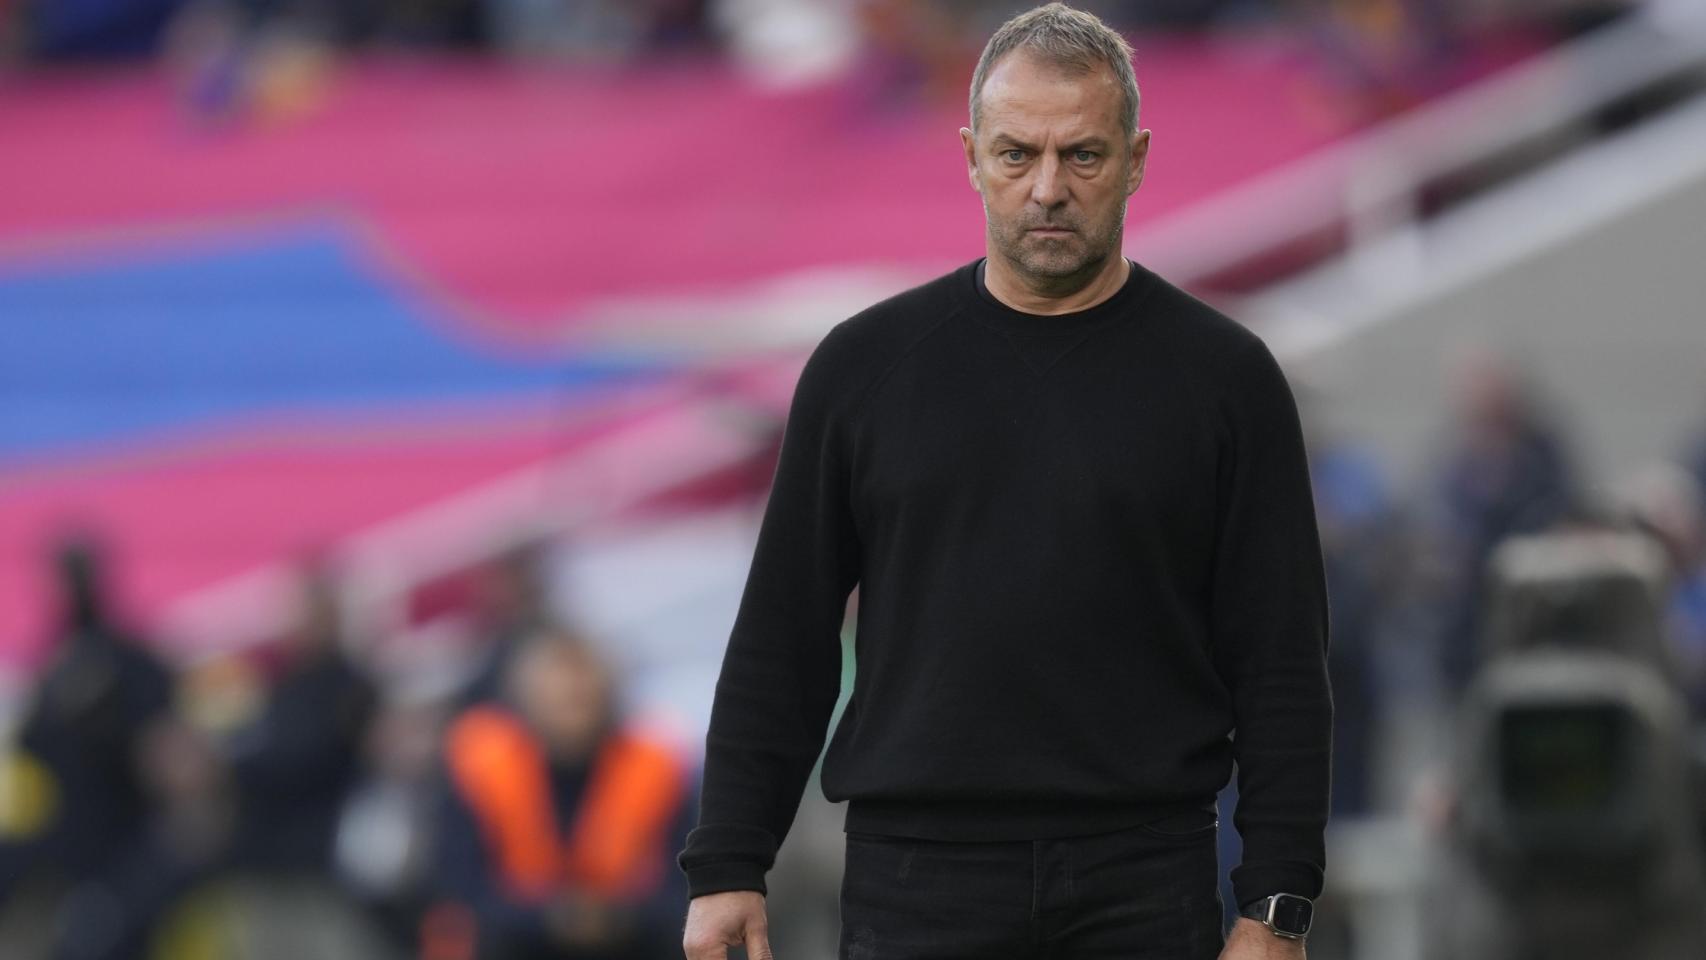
(1047, 296)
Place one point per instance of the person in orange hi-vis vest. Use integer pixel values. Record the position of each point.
(558, 819)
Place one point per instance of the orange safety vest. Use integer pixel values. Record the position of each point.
(615, 847)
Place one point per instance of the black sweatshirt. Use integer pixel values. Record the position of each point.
(1086, 554)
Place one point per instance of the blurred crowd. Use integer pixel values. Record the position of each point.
(1384, 55)
(284, 800)
(305, 797)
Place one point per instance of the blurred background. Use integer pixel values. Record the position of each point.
(390, 390)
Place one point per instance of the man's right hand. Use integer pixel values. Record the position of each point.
(717, 921)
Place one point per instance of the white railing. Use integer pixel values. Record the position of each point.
(1370, 181)
(655, 444)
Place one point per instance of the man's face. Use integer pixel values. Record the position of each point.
(1052, 163)
(563, 695)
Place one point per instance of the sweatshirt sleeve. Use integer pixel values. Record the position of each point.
(781, 671)
(1270, 631)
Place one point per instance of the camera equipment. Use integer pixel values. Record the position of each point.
(1577, 830)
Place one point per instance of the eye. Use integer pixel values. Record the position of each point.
(1013, 155)
(1084, 156)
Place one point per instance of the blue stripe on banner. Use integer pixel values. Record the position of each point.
(116, 346)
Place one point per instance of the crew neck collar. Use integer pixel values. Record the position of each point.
(979, 302)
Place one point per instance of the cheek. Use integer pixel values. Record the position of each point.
(1103, 194)
(996, 193)
(1008, 190)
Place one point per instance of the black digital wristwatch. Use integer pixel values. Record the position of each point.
(1286, 914)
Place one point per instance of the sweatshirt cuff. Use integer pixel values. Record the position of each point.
(726, 856)
(1257, 879)
(724, 876)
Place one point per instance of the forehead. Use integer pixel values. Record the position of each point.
(1024, 94)
(549, 661)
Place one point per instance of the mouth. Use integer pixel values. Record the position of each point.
(1049, 231)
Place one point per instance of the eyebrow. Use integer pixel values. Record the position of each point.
(1086, 143)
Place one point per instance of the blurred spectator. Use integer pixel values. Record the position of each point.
(295, 764)
(595, 29)
(1356, 520)
(385, 837)
(97, 702)
(1182, 14)
(788, 42)
(91, 29)
(136, 808)
(1507, 470)
(560, 819)
(916, 50)
(1382, 56)
(511, 602)
(347, 23)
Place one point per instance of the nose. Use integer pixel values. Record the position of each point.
(1047, 188)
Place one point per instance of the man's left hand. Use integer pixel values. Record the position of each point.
(1251, 940)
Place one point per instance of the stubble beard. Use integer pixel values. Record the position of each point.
(1057, 266)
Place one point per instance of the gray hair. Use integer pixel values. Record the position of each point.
(1075, 40)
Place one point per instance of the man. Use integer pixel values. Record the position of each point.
(1076, 503)
(559, 815)
(296, 761)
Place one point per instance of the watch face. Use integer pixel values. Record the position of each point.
(1291, 914)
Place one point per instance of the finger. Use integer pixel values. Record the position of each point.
(697, 946)
(758, 941)
(696, 950)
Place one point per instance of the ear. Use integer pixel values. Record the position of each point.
(1139, 154)
(969, 144)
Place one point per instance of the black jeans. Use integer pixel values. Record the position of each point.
(1149, 892)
